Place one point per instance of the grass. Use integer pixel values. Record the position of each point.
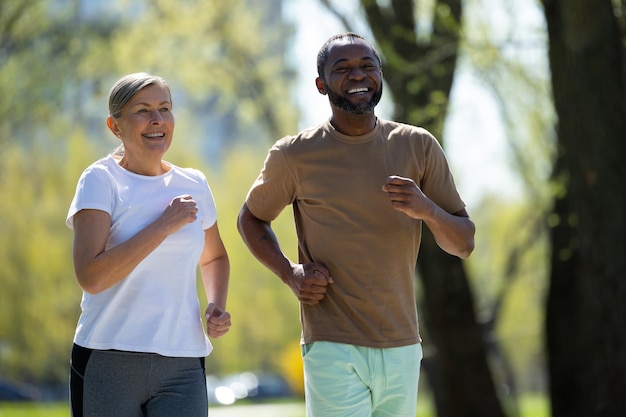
(530, 406)
(18, 409)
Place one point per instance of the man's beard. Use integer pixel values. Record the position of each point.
(342, 102)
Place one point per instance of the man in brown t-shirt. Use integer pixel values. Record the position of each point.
(360, 188)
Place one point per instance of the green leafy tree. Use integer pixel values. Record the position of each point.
(212, 52)
(39, 297)
(509, 268)
(31, 41)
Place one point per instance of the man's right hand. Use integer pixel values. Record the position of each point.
(309, 282)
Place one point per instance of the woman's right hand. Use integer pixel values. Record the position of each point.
(181, 211)
(97, 268)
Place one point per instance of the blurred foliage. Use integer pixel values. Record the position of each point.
(264, 310)
(510, 265)
(510, 277)
(509, 269)
(39, 298)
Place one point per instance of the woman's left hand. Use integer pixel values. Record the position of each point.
(217, 321)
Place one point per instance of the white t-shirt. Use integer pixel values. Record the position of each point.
(154, 309)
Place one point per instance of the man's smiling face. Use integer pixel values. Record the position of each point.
(352, 76)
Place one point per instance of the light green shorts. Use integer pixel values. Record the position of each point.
(344, 380)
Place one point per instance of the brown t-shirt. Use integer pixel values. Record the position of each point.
(345, 221)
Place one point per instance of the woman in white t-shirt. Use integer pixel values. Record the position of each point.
(142, 226)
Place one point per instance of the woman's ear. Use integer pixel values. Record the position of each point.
(321, 85)
(113, 126)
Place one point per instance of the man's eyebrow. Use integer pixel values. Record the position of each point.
(339, 61)
(342, 60)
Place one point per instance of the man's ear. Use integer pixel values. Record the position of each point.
(321, 85)
(113, 126)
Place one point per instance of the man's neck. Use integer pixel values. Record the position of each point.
(353, 124)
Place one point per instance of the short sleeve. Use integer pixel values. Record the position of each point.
(438, 182)
(274, 189)
(207, 203)
(93, 191)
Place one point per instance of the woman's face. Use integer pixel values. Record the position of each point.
(146, 123)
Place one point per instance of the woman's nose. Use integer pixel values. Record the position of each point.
(156, 117)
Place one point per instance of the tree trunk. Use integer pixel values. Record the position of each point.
(586, 306)
(458, 369)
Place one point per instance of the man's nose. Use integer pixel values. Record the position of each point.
(356, 73)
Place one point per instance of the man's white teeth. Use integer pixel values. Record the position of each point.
(357, 90)
(154, 135)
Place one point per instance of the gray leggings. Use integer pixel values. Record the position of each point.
(106, 383)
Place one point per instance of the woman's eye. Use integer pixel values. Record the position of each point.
(165, 109)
